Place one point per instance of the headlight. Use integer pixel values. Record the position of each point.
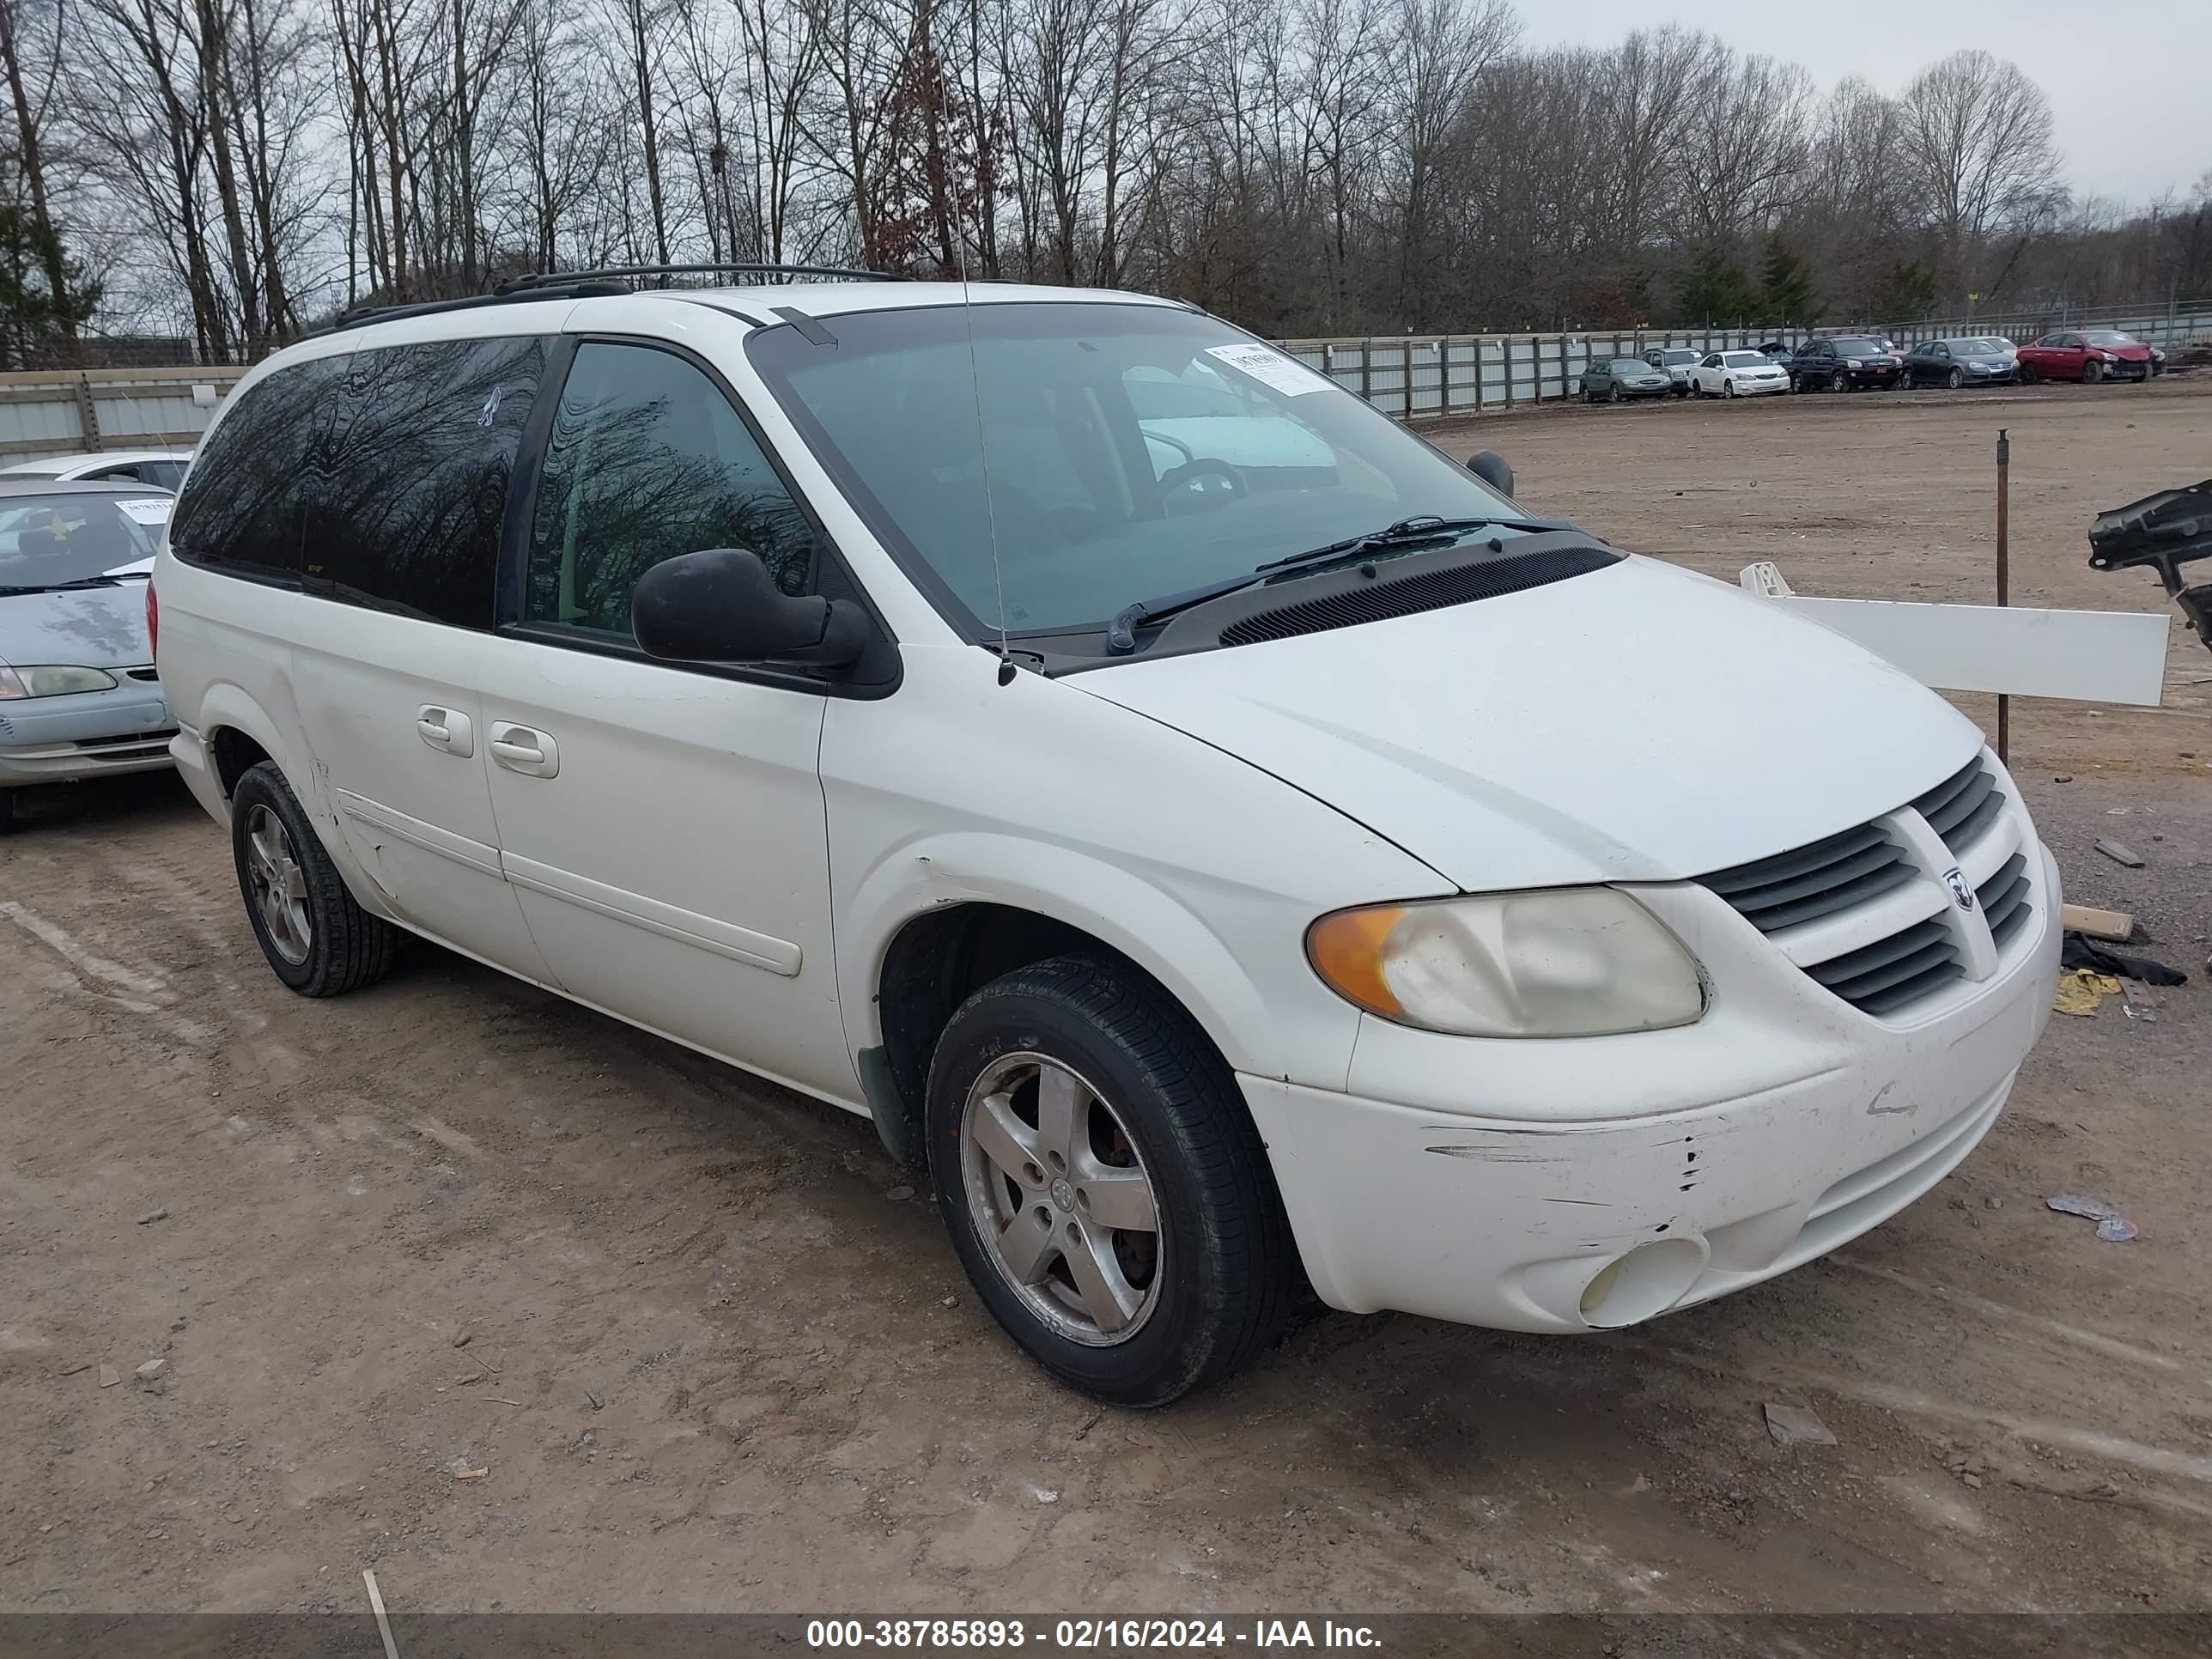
(1564, 962)
(2110, 356)
(1850, 362)
(46, 682)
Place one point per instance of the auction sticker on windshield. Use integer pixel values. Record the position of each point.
(151, 509)
(1270, 368)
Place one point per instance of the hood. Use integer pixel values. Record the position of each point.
(2136, 352)
(91, 627)
(1637, 723)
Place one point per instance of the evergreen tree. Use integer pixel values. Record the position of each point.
(34, 318)
(1785, 284)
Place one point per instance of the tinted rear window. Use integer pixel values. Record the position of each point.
(245, 507)
(415, 476)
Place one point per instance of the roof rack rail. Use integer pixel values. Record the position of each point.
(561, 279)
(361, 316)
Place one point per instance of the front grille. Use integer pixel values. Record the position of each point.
(2004, 899)
(1806, 899)
(1894, 971)
(1813, 881)
(121, 739)
(1960, 807)
(1432, 590)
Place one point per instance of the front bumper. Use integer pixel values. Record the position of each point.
(1496, 1183)
(86, 734)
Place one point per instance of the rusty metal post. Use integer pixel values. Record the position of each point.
(2004, 577)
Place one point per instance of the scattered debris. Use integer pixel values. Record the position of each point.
(1090, 1423)
(470, 1474)
(109, 1377)
(2096, 924)
(2063, 777)
(598, 1401)
(2082, 991)
(470, 1380)
(495, 1400)
(152, 1216)
(71, 1370)
(2118, 855)
(899, 1195)
(2111, 1226)
(152, 1371)
(950, 1302)
(1793, 1425)
(465, 1339)
(1045, 1495)
(2083, 952)
(1993, 1202)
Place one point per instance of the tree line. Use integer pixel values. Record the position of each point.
(233, 172)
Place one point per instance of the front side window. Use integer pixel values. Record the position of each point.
(245, 509)
(647, 459)
(414, 476)
(1047, 464)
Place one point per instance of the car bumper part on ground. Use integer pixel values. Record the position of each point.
(86, 734)
(1499, 1184)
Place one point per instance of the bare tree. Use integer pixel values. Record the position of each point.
(1977, 137)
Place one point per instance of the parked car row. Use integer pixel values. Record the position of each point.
(1856, 363)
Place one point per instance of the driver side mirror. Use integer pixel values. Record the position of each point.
(1490, 467)
(721, 605)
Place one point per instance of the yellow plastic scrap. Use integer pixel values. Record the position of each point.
(2083, 991)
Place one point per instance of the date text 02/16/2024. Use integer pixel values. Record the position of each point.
(1088, 1635)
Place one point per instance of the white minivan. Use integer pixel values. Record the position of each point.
(1230, 849)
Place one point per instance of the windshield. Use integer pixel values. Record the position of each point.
(1746, 360)
(1974, 348)
(2109, 337)
(1858, 349)
(45, 540)
(1679, 356)
(1133, 450)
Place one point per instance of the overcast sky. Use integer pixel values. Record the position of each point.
(2129, 81)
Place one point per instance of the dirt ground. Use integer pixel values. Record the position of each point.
(714, 1353)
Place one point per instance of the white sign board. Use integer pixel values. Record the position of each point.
(2089, 656)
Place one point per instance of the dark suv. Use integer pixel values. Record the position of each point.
(1841, 363)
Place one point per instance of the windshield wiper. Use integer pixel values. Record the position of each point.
(71, 587)
(1405, 534)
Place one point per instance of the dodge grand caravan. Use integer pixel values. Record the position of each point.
(1227, 844)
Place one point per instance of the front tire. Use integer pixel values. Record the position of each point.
(1103, 1183)
(1613, 394)
(8, 818)
(1729, 388)
(317, 940)
(2092, 373)
(1958, 379)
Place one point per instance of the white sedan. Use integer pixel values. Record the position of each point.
(1738, 374)
(164, 468)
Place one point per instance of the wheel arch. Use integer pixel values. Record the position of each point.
(920, 955)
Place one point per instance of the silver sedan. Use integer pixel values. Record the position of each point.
(78, 694)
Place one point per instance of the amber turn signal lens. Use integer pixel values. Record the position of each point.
(1347, 951)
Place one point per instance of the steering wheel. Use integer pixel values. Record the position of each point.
(1201, 486)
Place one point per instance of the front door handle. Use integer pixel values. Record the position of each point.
(445, 730)
(524, 749)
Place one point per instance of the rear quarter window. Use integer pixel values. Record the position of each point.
(245, 508)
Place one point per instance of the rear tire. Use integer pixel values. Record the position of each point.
(317, 940)
(1146, 1111)
(2027, 374)
(7, 817)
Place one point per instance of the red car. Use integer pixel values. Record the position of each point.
(2087, 355)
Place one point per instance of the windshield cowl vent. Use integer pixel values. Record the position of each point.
(1432, 590)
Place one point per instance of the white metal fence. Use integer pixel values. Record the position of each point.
(74, 411)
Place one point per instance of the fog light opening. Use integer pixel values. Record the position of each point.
(1642, 1282)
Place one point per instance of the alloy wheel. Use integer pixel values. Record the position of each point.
(279, 886)
(1063, 1202)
